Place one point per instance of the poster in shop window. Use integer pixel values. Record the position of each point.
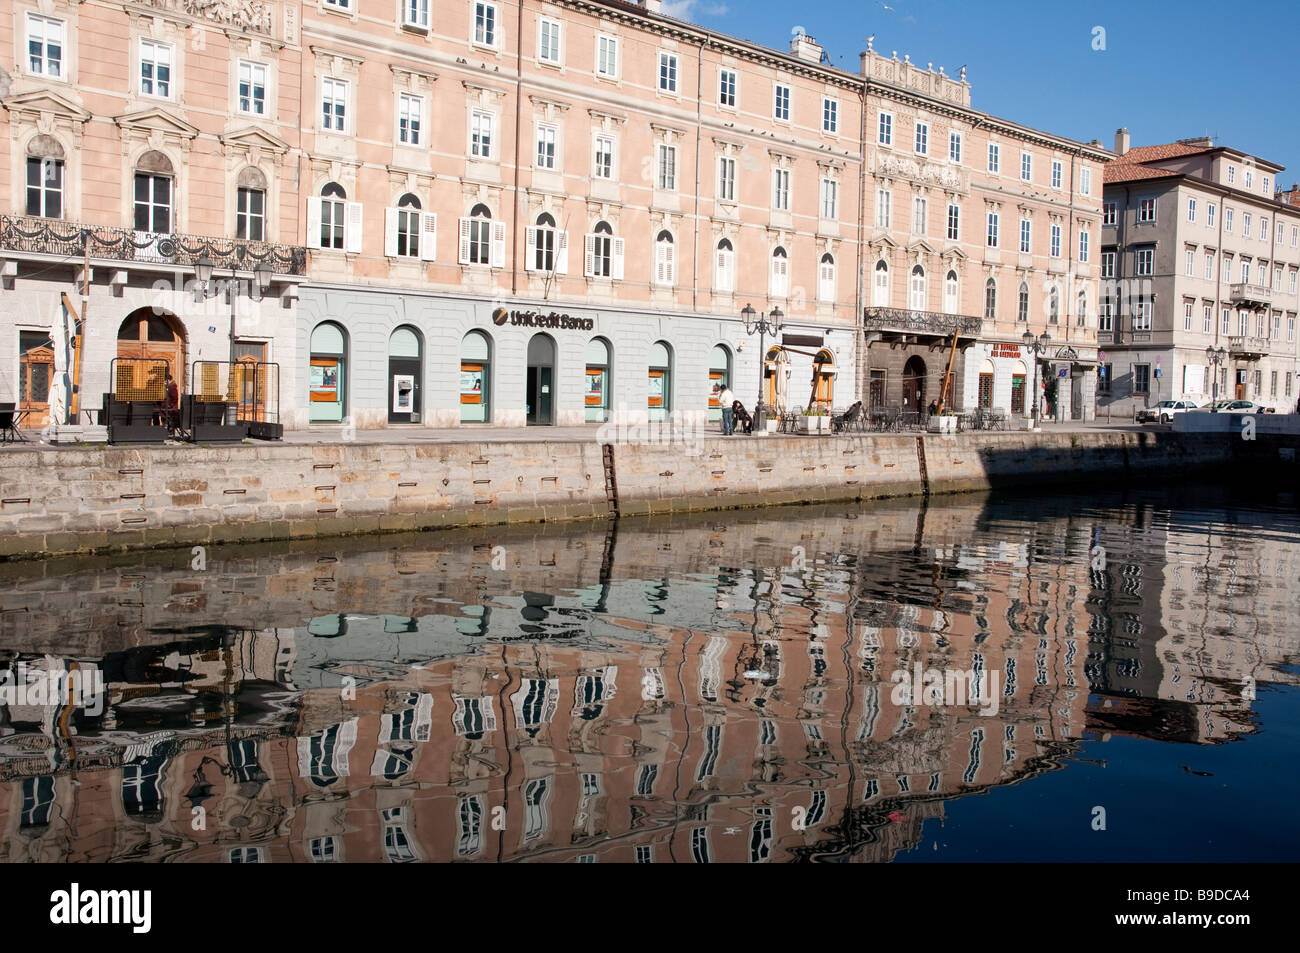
(595, 387)
(656, 389)
(471, 383)
(716, 385)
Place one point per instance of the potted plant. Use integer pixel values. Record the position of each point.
(814, 420)
(945, 422)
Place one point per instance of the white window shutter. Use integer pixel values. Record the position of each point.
(589, 256)
(619, 247)
(390, 232)
(464, 241)
(530, 249)
(670, 266)
(561, 253)
(429, 236)
(313, 222)
(498, 244)
(352, 238)
(660, 263)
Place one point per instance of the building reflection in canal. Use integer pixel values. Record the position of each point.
(716, 689)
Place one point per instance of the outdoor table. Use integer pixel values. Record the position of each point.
(9, 421)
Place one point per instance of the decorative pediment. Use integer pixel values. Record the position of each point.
(953, 252)
(882, 240)
(44, 102)
(251, 139)
(920, 247)
(242, 14)
(157, 121)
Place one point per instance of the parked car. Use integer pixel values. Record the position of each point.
(1233, 407)
(1164, 411)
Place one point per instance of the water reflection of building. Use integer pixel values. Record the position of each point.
(713, 711)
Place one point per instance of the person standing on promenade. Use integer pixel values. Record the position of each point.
(728, 421)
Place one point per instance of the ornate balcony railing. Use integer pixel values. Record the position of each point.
(920, 322)
(71, 239)
(1248, 347)
(1250, 295)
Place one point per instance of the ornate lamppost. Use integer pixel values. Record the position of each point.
(763, 324)
(1217, 358)
(1036, 345)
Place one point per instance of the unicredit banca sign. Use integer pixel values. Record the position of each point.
(534, 319)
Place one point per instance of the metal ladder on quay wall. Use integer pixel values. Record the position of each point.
(611, 479)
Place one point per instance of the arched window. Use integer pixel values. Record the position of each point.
(250, 205)
(724, 268)
(1022, 303)
(478, 241)
(660, 382)
(780, 273)
(333, 213)
(880, 287)
(916, 292)
(950, 293)
(475, 378)
(598, 380)
(719, 378)
(408, 226)
(1081, 319)
(547, 249)
(154, 178)
(826, 278)
(665, 260)
(45, 177)
(1054, 306)
(990, 300)
(328, 377)
(603, 256)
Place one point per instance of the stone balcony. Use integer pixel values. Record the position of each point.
(22, 236)
(1250, 296)
(900, 326)
(1247, 348)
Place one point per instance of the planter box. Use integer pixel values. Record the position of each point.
(943, 424)
(814, 424)
(772, 424)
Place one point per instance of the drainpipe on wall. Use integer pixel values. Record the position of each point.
(859, 304)
(699, 134)
(519, 106)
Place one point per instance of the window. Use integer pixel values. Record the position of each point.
(885, 130)
(339, 4)
(1263, 229)
(403, 227)
(1250, 179)
(1141, 378)
(880, 285)
(1083, 246)
(1022, 303)
(1085, 181)
(1147, 210)
(826, 278)
(1142, 315)
(665, 273)
(781, 190)
(1109, 215)
(1056, 173)
(1025, 236)
(781, 105)
(604, 253)
(153, 202)
(1026, 167)
(1187, 315)
(482, 241)
(44, 46)
(1106, 316)
(1108, 264)
(1227, 220)
(727, 88)
(1272, 385)
(883, 201)
(1232, 174)
(485, 24)
(1290, 281)
(830, 115)
(995, 158)
(603, 164)
(1104, 374)
(546, 146)
(1226, 271)
(548, 42)
(950, 292)
(954, 147)
(409, 110)
(724, 276)
(780, 273)
(1207, 319)
(333, 218)
(1278, 240)
(250, 214)
(1210, 211)
(252, 88)
(1191, 210)
(480, 135)
(1245, 272)
(920, 212)
(916, 289)
(830, 199)
(667, 73)
(990, 300)
(991, 238)
(1144, 260)
(667, 178)
(1081, 314)
(1264, 187)
(606, 56)
(44, 187)
(726, 179)
(1054, 306)
(922, 141)
(155, 69)
(1295, 236)
(416, 13)
(1245, 224)
(954, 222)
(334, 98)
(1290, 330)
(1190, 263)
(1209, 265)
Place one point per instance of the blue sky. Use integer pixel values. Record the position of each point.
(1169, 71)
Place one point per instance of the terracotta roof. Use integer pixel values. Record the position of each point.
(1132, 171)
(1170, 150)
(1143, 162)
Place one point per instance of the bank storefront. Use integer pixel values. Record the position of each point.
(387, 359)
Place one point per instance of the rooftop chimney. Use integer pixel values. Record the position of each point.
(1121, 141)
(1291, 196)
(806, 48)
(653, 6)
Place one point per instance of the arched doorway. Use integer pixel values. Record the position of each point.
(914, 384)
(405, 370)
(540, 395)
(776, 369)
(475, 378)
(719, 378)
(823, 379)
(986, 385)
(327, 380)
(1018, 373)
(147, 335)
(598, 382)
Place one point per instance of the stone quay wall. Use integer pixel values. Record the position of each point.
(107, 499)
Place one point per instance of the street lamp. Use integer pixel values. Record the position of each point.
(1216, 357)
(1037, 345)
(764, 324)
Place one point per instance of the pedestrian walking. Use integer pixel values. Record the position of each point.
(726, 399)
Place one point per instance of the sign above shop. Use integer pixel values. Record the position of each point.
(535, 319)
(1006, 350)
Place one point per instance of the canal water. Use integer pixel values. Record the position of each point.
(1103, 677)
